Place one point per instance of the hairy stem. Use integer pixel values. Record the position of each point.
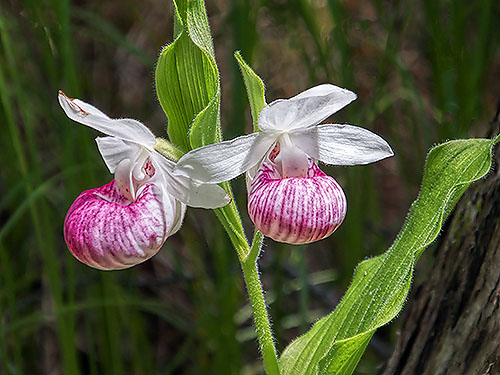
(260, 316)
(247, 255)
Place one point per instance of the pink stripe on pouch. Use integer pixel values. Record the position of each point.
(296, 210)
(106, 231)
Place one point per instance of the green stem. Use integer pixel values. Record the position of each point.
(260, 316)
(168, 149)
(247, 255)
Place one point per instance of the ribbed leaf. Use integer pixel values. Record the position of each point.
(187, 79)
(255, 90)
(188, 88)
(380, 285)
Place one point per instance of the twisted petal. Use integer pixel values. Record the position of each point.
(126, 129)
(305, 109)
(296, 210)
(225, 160)
(106, 231)
(341, 144)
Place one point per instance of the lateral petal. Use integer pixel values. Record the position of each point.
(305, 109)
(126, 129)
(342, 144)
(226, 160)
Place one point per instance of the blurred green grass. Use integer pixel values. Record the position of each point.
(424, 72)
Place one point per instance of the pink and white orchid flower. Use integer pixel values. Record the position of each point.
(290, 199)
(126, 221)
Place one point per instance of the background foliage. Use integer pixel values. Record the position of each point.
(424, 72)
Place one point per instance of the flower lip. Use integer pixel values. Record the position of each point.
(105, 230)
(295, 210)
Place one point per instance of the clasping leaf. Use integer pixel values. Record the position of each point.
(187, 79)
(380, 285)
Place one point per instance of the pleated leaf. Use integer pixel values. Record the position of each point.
(380, 285)
(187, 79)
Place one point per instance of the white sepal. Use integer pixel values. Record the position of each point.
(305, 109)
(226, 160)
(126, 129)
(341, 144)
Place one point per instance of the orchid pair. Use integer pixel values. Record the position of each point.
(289, 198)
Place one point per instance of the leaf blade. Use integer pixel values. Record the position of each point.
(255, 89)
(187, 80)
(380, 285)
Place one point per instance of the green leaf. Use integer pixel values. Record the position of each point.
(344, 355)
(380, 285)
(255, 90)
(187, 80)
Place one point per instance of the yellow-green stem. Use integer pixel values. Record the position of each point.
(168, 149)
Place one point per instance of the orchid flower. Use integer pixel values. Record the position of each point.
(127, 220)
(289, 198)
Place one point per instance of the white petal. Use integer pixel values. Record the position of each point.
(114, 150)
(174, 210)
(126, 129)
(179, 216)
(305, 109)
(196, 194)
(341, 144)
(225, 160)
(192, 193)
